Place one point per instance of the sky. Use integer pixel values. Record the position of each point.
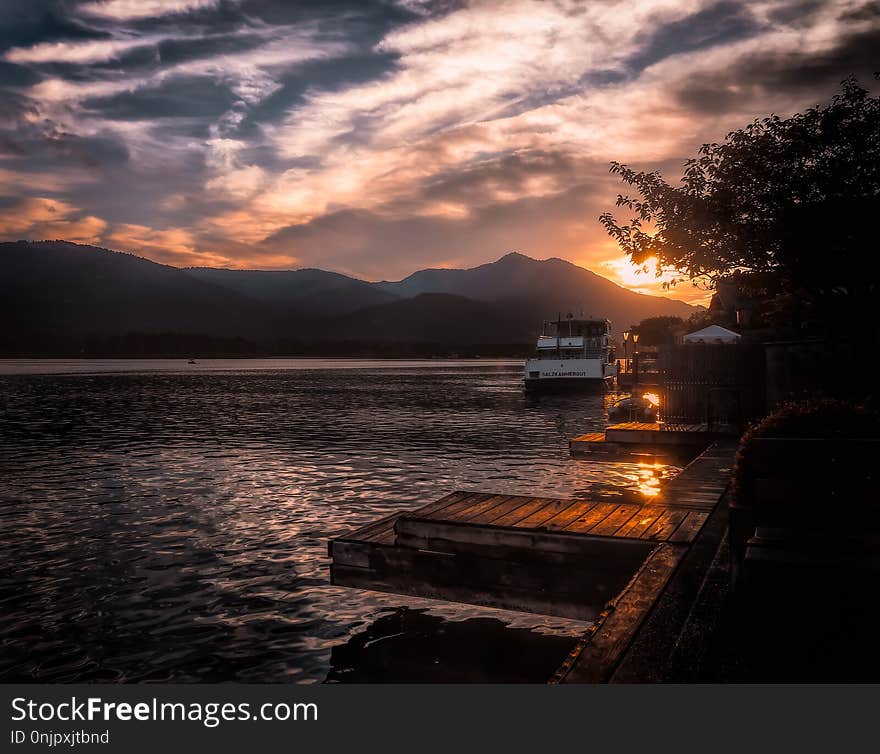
(379, 138)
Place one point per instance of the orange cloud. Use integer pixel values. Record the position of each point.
(41, 217)
(174, 246)
(180, 247)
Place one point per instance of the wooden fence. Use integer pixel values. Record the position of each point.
(721, 386)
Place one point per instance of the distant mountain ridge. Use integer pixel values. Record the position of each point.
(61, 287)
(310, 290)
(512, 276)
(545, 288)
(64, 289)
(554, 285)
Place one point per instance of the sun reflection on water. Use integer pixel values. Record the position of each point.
(650, 476)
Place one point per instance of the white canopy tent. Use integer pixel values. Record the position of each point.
(712, 334)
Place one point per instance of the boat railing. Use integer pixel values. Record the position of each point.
(546, 342)
(571, 353)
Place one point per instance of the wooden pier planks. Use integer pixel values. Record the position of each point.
(641, 435)
(702, 482)
(592, 437)
(543, 514)
(645, 433)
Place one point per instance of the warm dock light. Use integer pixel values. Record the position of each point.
(652, 398)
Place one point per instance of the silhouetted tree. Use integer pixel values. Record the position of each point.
(656, 331)
(787, 205)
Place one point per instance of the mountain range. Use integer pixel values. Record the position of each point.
(57, 289)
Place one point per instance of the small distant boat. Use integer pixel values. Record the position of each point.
(636, 408)
(572, 353)
(192, 361)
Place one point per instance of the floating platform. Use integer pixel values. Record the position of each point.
(645, 435)
(557, 557)
(603, 561)
(597, 444)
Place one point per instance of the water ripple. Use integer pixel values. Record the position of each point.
(172, 525)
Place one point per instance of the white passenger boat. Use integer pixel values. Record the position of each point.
(572, 353)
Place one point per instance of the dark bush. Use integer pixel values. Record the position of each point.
(823, 419)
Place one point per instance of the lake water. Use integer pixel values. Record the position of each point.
(161, 521)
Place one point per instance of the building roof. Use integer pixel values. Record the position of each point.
(712, 334)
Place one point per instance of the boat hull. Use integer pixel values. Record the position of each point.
(568, 374)
(567, 384)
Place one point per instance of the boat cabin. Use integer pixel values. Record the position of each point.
(574, 338)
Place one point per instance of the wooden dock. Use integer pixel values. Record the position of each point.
(644, 435)
(592, 560)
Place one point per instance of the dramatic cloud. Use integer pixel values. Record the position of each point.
(376, 138)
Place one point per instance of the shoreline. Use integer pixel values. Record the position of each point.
(180, 365)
